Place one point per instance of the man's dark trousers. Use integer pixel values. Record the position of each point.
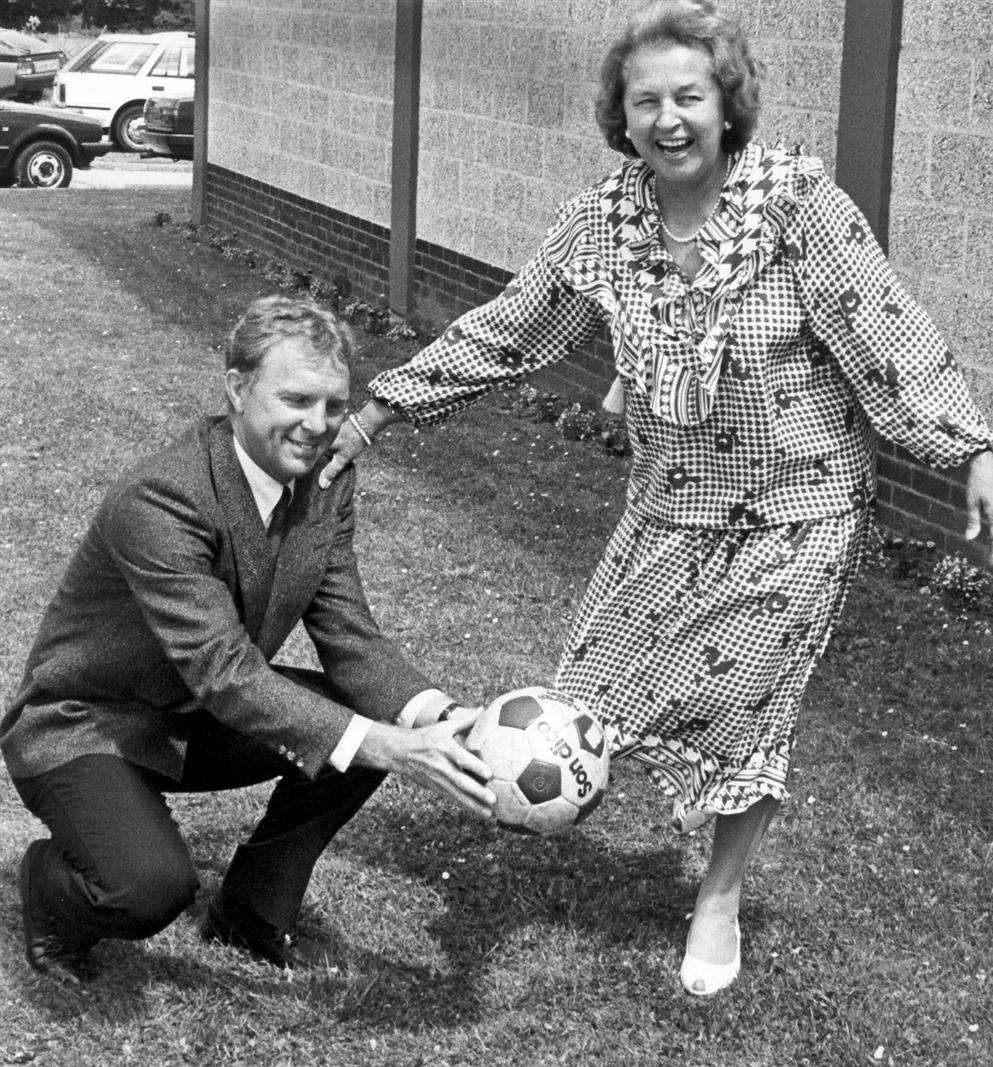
(116, 864)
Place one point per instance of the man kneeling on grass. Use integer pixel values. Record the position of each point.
(150, 673)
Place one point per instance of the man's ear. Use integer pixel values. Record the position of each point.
(236, 384)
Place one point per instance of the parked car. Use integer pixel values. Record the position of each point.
(168, 129)
(27, 65)
(39, 146)
(112, 78)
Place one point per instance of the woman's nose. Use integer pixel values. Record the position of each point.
(666, 117)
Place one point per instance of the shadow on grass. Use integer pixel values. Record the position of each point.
(513, 895)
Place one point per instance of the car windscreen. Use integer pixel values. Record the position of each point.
(114, 57)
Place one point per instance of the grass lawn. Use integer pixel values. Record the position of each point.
(867, 926)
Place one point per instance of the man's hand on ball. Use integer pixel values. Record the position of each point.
(434, 757)
(431, 714)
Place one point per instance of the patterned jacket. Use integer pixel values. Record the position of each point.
(750, 391)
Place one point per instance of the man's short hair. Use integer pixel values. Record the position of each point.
(272, 319)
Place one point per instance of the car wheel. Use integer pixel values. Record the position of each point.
(43, 165)
(127, 128)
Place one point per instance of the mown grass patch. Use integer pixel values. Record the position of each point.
(867, 928)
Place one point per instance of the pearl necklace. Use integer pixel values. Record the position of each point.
(693, 236)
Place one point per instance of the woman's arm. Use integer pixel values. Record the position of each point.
(887, 347)
(537, 320)
(885, 344)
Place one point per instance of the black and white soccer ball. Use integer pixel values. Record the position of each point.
(549, 759)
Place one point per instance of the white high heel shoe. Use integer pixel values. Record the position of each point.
(702, 979)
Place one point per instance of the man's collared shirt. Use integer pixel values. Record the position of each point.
(266, 492)
(265, 489)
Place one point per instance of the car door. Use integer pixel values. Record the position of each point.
(107, 75)
(172, 72)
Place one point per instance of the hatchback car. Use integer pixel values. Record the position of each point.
(113, 77)
(27, 65)
(39, 146)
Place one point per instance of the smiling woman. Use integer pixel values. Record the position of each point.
(759, 335)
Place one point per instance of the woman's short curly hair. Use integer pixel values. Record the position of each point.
(272, 319)
(693, 24)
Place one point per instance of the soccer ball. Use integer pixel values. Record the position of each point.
(549, 759)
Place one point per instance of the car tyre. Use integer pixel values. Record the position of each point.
(127, 128)
(43, 165)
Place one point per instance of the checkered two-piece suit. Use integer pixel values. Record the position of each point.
(151, 673)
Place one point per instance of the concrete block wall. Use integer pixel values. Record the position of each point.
(507, 89)
(799, 43)
(301, 98)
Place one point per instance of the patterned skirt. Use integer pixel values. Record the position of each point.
(694, 648)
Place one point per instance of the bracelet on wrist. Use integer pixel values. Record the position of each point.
(360, 428)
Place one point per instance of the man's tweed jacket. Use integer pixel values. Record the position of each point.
(173, 603)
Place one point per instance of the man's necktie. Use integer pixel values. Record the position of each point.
(277, 523)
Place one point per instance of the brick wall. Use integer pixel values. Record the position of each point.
(507, 132)
(344, 249)
(922, 503)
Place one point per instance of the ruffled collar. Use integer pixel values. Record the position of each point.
(693, 320)
(758, 182)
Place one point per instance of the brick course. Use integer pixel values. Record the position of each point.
(313, 238)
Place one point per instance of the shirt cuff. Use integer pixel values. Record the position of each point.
(428, 699)
(344, 752)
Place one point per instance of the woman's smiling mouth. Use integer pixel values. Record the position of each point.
(674, 146)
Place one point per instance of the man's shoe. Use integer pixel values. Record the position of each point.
(44, 949)
(232, 924)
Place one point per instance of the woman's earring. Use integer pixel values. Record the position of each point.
(727, 125)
